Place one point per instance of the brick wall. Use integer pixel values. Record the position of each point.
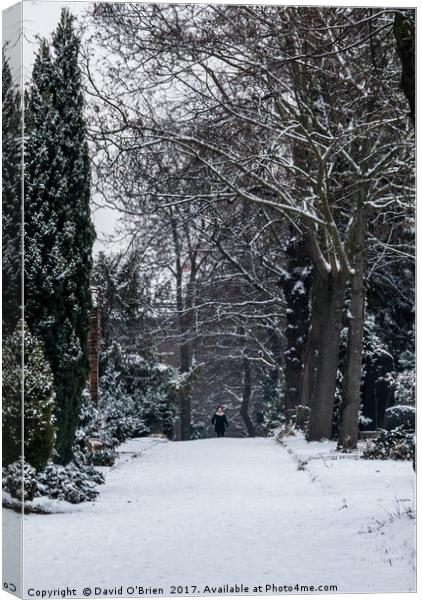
(94, 333)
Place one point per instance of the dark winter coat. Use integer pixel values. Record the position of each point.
(220, 422)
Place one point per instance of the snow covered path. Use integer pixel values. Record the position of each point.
(231, 511)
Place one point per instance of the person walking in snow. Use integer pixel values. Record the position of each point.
(219, 421)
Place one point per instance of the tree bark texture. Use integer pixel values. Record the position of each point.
(327, 313)
(296, 286)
(246, 396)
(404, 31)
(349, 428)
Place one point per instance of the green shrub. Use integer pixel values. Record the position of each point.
(138, 397)
(19, 479)
(396, 444)
(39, 435)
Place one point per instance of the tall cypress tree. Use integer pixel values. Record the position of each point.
(58, 230)
(11, 199)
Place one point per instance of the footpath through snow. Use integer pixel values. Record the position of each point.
(231, 511)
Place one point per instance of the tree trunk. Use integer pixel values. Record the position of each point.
(184, 354)
(327, 313)
(404, 31)
(309, 365)
(296, 286)
(185, 417)
(246, 396)
(275, 343)
(184, 317)
(349, 429)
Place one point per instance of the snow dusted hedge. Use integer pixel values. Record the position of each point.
(39, 433)
(20, 485)
(138, 397)
(73, 483)
(400, 416)
(76, 482)
(396, 444)
(405, 388)
(91, 427)
(397, 440)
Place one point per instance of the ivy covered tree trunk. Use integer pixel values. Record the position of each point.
(58, 231)
(296, 285)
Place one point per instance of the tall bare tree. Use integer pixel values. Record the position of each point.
(288, 110)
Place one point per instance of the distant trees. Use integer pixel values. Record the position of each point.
(58, 231)
(124, 301)
(287, 111)
(140, 396)
(160, 272)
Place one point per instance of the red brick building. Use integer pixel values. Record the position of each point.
(94, 341)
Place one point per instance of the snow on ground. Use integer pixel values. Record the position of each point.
(231, 511)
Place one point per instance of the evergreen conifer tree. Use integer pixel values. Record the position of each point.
(39, 400)
(58, 230)
(11, 199)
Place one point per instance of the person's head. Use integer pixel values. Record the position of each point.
(219, 408)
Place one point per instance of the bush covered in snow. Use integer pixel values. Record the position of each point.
(89, 420)
(39, 435)
(73, 483)
(138, 397)
(405, 388)
(157, 408)
(119, 417)
(396, 444)
(90, 428)
(106, 457)
(199, 430)
(272, 416)
(78, 480)
(21, 483)
(400, 416)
